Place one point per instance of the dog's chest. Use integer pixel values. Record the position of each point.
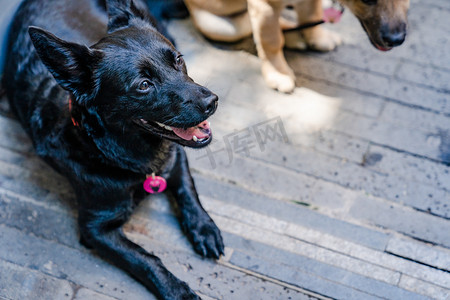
(164, 159)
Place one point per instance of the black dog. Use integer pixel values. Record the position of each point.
(109, 117)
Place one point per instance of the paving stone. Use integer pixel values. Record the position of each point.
(393, 64)
(154, 231)
(425, 75)
(382, 86)
(216, 281)
(293, 213)
(85, 294)
(427, 38)
(42, 182)
(353, 176)
(419, 142)
(358, 259)
(301, 233)
(349, 100)
(423, 226)
(310, 97)
(335, 144)
(296, 277)
(424, 288)
(438, 3)
(63, 262)
(42, 221)
(151, 227)
(254, 176)
(18, 283)
(361, 56)
(12, 135)
(298, 247)
(410, 167)
(414, 118)
(35, 191)
(431, 255)
(270, 255)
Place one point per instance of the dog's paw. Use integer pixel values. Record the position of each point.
(279, 81)
(277, 73)
(206, 238)
(321, 39)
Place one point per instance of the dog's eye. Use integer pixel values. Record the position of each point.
(144, 86)
(179, 60)
(370, 2)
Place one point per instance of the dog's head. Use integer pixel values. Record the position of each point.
(385, 21)
(131, 82)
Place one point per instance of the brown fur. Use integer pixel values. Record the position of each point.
(231, 20)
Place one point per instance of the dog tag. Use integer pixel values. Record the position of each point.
(155, 184)
(332, 15)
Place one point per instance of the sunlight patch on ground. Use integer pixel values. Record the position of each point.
(304, 111)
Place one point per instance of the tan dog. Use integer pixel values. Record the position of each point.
(385, 22)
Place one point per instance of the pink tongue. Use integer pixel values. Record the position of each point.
(201, 131)
(383, 49)
(332, 15)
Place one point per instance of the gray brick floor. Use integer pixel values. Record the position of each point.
(340, 190)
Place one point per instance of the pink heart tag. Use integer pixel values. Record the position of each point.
(155, 184)
(332, 15)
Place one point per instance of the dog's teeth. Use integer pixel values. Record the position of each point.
(195, 138)
(164, 126)
(160, 124)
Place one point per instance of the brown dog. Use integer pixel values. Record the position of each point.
(385, 22)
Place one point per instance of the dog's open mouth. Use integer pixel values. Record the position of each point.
(382, 48)
(375, 41)
(196, 136)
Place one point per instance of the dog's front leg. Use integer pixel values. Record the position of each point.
(195, 221)
(101, 218)
(264, 17)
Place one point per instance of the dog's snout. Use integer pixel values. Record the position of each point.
(209, 104)
(208, 100)
(394, 37)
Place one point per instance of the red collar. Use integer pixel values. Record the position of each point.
(75, 122)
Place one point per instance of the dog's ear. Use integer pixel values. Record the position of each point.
(121, 12)
(71, 64)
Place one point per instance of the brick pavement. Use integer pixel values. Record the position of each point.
(344, 194)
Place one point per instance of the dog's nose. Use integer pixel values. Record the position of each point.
(396, 37)
(209, 104)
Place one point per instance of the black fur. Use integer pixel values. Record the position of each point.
(168, 9)
(107, 155)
